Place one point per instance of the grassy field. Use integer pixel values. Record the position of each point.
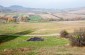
(52, 45)
(41, 28)
(12, 43)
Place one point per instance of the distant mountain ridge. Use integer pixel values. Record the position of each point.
(14, 8)
(4, 9)
(17, 8)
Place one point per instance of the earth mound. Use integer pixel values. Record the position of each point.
(36, 39)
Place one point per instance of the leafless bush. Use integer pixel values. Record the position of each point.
(78, 37)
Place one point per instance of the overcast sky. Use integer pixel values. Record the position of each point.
(57, 4)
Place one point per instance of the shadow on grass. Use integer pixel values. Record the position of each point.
(5, 37)
(24, 32)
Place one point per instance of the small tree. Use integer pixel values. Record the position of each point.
(64, 34)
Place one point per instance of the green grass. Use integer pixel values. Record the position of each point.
(14, 29)
(17, 42)
(35, 18)
(20, 41)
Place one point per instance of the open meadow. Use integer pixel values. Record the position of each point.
(16, 43)
(40, 28)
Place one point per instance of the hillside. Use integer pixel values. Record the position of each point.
(45, 14)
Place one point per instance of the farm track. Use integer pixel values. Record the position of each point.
(43, 35)
(37, 35)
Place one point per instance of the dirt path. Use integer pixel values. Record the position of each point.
(37, 35)
(56, 34)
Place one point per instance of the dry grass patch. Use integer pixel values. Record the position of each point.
(42, 28)
(61, 50)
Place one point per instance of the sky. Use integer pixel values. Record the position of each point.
(55, 4)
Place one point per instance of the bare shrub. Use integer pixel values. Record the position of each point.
(78, 37)
(64, 34)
